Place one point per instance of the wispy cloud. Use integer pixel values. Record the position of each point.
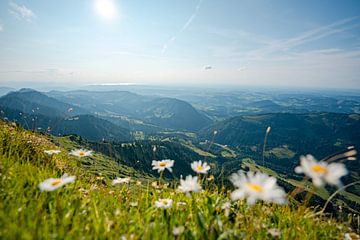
(183, 28)
(21, 12)
(285, 45)
(271, 50)
(1, 27)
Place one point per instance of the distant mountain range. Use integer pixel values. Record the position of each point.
(162, 112)
(322, 133)
(98, 115)
(86, 126)
(31, 101)
(5, 90)
(291, 135)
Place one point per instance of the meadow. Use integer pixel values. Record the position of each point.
(137, 206)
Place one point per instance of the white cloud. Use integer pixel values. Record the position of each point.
(1, 27)
(21, 12)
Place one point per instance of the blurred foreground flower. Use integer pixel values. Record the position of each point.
(162, 165)
(51, 152)
(321, 172)
(164, 203)
(200, 167)
(256, 186)
(54, 183)
(121, 180)
(351, 236)
(178, 230)
(275, 233)
(81, 153)
(190, 184)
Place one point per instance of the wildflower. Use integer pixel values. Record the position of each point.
(81, 153)
(226, 207)
(274, 232)
(254, 186)
(321, 172)
(133, 204)
(51, 152)
(51, 184)
(154, 184)
(178, 230)
(200, 167)
(351, 236)
(121, 180)
(138, 183)
(210, 178)
(164, 203)
(190, 184)
(181, 204)
(161, 165)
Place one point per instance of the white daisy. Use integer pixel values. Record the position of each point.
(321, 172)
(164, 203)
(200, 167)
(254, 186)
(51, 152)
(178, 230)
(190, 184)
(351, 236)
(81, 153)
(162, 165)
(121, 180)
(51, 184)
(134, 204)
(274, 232)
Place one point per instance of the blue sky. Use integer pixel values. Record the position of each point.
(218, 42)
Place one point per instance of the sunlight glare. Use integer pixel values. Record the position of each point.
(105, 9)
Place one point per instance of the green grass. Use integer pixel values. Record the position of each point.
(228, 152)
(199, 151)
(282, 152)
(91, 208)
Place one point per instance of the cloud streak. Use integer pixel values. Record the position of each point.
(183, 28)
(306, 37)
(285, 50)
(21, 12)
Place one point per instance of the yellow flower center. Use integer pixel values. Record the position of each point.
(199, 168)
(162, 164)
(165, 202)
(56, 182)
(319, 169)
(82, 153)
(255, 187)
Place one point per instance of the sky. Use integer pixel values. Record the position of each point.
(202, 42)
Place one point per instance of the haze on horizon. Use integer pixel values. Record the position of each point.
(259, 43)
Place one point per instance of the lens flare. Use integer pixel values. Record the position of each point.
(105, 9)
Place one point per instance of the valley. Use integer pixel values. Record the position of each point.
(125, 126)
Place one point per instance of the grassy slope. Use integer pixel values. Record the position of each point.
(93, 208)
